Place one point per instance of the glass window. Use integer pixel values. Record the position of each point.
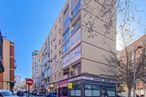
(75, 28)
(76, 52)
(66, 10)
(66, 23)
(76, 9)
(64, 91)
(66, 59)
(76, 90)
(111, 91)
(92, 90)
(75, 38)
(66, 47)
(66, 35)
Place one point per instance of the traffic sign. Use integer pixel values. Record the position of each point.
(29, 81)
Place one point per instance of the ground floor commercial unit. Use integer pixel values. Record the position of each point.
(85, 85)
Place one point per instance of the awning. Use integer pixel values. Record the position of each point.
(1, 67)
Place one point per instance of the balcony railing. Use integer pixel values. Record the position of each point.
(76, 27)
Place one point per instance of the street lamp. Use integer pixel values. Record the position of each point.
(134, 73)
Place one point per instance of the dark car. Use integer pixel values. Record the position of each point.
(20, 93)
(52, 95)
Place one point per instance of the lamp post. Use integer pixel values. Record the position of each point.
(134, 73)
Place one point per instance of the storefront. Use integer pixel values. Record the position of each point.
(62, 89)
(87, 85)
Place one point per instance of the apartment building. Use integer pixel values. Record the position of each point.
(8, 75)
(136, 47)
(80, 39)
(45, 62)
(35, 67)
(85, 40)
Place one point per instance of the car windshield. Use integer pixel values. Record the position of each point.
(7, 93)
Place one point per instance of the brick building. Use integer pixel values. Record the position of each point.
(8, 59)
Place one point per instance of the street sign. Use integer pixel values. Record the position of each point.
(29, 81)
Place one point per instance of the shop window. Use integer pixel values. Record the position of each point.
(64, 91)
(111, 91)
(92, 90)
(76, 9)
(76, 91)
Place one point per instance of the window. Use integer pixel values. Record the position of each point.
(72, 2)
(66, 9)
(60, 53)
(66, 23)
(66, 59)
(59, 31)
(66, 35)
(76, 9)
(110, 91)
(92, 90)
(59, 42)
(55, 47)
(75, 28)
(64, 91)
(75, 53)
(75, 38)
(76, 91)
(66, 47)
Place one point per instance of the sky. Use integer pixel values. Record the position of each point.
(28, 22)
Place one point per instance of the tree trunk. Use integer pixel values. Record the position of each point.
(129, 92)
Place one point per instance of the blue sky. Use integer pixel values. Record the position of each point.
(27, 23)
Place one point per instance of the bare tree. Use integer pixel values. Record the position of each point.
(130, 65)
(126, 15)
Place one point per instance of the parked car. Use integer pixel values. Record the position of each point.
(52, 95)
(6, 93)
(20, 93)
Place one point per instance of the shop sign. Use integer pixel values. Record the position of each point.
(69, 85)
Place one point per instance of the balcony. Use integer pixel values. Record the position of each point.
(66, 24)
(76, 27)
(76, 9)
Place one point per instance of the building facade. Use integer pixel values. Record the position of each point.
(17, 83)
(80, 39)
(35, 67)
(83, 34)
(136, 53)
(8, 76)
(1, 43)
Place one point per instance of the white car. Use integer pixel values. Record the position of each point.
(6, 93)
